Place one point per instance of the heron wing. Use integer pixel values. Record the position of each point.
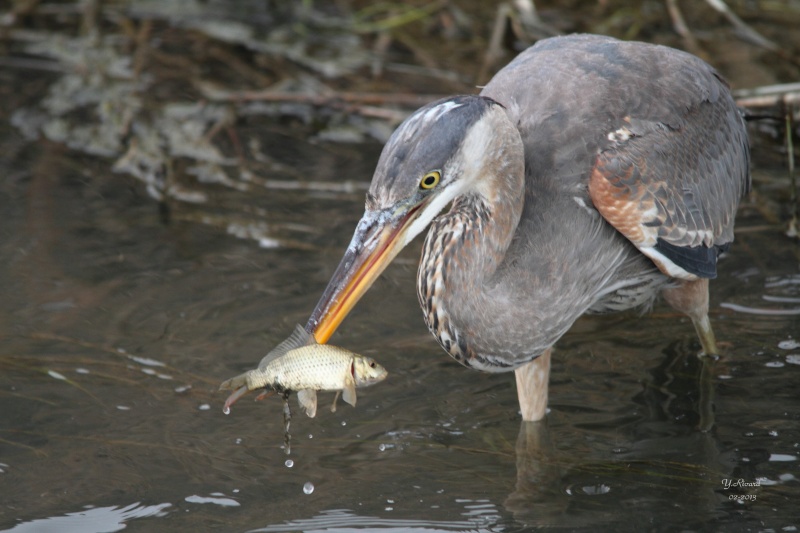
(648, 128)
(673, 191)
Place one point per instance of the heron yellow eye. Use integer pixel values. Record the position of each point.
(430, 180)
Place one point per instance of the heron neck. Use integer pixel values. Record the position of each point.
(463, 251)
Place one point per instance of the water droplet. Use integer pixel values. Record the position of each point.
(310, 436)
(289, 463)
(226, 410)
(204, 407)
(382, 447)
(344, 423)
(238, 441)
(773, 433)
(389, 509)
(308, 488)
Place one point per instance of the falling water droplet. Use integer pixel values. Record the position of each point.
(226, 410)
(382, 447)
(289, 463)
(308, 488)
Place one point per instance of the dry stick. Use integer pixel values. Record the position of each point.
(679, 24)
(793, 230)
(347, 101)
(493, 51)
(401, 99)
(768, 95)
(746, 31)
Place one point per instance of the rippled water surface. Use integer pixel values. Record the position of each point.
(116, 327)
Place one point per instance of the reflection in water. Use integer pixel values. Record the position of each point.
(539, 497)
(93, 520)
(680, 462)
(217, 498)
(347, 520)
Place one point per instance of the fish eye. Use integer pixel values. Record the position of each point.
(371, 363)
(430, 180)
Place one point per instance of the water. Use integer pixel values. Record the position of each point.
(116, 330)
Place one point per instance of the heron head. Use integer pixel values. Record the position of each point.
(438, 153)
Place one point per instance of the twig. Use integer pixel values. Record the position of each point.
(679, 24)
(746, 31)
(362, 103)
(768, 95)
(793, 230)
(493, 51)
(399, 99)
(411, 14)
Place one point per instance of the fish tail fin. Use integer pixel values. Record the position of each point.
(241, 391)
(234, 383)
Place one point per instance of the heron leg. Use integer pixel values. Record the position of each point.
(532, 379)
(691, 298)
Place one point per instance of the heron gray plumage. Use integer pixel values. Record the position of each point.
(588, 175)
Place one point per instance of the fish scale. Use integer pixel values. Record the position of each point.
(318, 367)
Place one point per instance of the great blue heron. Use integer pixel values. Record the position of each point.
(587, 176)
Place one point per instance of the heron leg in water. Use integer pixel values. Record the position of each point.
(532, 380)
(691, 298)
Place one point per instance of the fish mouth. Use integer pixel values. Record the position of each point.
(379, 237)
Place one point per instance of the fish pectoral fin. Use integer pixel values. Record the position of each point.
(333, 407)
(308, 401)
(349, 391)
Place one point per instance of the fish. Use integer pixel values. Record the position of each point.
(299, 364)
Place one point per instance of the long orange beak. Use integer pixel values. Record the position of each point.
(379, 237)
